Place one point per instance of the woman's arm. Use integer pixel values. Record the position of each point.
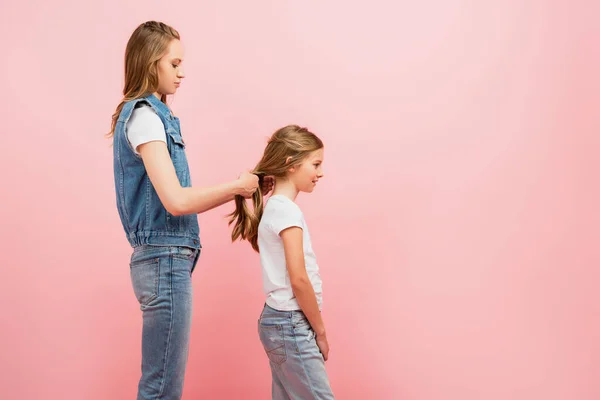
(180, 200)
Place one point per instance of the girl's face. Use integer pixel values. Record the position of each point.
(170, 71)
(306, 175)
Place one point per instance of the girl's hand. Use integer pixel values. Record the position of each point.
(323, 345)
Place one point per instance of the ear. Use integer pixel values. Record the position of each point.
(287, 160)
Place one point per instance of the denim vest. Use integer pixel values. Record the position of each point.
(144, 218)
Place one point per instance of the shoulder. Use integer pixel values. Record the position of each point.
(281, 204)
(282, 213)
(144, 114)
(145, 120)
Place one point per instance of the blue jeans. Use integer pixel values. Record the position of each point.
(297, 365)
(161, 279)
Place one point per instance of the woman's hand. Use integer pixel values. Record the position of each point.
(247, 184)
(267, 184)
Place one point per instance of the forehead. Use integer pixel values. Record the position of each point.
(175, 49)
(316, 155)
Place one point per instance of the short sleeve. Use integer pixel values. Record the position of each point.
(286, 216)
(144, 126)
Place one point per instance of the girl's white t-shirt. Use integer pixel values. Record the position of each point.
(144, 126)
(280, 213)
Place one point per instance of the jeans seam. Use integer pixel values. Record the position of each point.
(166, 356)
(312, 390)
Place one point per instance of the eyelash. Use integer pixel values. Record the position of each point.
(175, 65)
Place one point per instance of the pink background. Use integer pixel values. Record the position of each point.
(456, 226)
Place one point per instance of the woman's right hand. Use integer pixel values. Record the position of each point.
(248, 183)
(323, 345)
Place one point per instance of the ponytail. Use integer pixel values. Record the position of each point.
(245, 221)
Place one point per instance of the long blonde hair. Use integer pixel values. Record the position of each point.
(287, 148)
(146, 46)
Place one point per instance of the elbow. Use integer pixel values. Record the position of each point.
(174, 211)
(176, 208)
(299, 284)
(176, 203)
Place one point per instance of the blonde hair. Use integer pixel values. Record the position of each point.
(288, 147)
(146, 46)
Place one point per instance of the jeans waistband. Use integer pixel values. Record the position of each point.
(277, 316)
(144, 252)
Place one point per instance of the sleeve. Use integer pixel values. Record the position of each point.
(287, 216)
(144, 126)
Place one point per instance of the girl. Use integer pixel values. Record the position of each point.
(158, 206)
(290, 327)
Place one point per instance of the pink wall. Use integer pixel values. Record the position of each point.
(456, 226)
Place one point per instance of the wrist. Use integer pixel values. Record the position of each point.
(236, 188)
(321, 333)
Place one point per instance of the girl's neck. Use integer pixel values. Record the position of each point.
(285, 187)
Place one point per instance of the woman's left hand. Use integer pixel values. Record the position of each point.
(267, 184)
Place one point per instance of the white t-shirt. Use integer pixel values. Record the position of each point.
(144, 126)
(280, 213)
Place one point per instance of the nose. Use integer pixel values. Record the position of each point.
(180, 73)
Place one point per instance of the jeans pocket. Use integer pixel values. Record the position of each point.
(144, 278)
(271, 337)
(185, 253)
(302, 324)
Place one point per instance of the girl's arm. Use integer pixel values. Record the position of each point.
(301, 285)
(180, 200)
